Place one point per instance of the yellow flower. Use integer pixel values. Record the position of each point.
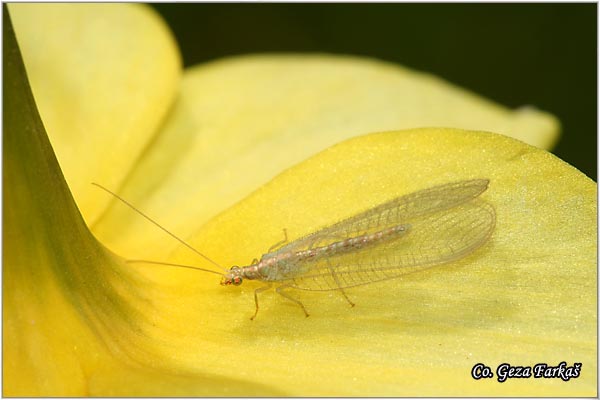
(204, 155)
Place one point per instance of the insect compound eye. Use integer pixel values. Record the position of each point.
(236, 278)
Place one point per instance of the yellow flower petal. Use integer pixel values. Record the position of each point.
(240, 121)
(103, 76)
(526, 297)
(40, 268)
(74, 315)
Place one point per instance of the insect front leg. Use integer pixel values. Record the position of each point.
(256, 292)
(281, 289)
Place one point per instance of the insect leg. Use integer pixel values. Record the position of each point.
(333, 274)
(256, 292)
(276, 245)
(281, 289)
(335, 278)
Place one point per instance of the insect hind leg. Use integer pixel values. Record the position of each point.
(330, 267)
(280, 290)
(339, 285)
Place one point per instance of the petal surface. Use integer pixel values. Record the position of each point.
(103, 77)
(74, 314)
(239, 122)
(528, 296)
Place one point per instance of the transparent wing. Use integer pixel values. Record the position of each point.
(402, 210)
(432, 239)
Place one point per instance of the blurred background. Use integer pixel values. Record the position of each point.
(515, 54)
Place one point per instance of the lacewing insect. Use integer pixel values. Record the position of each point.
(430, 227)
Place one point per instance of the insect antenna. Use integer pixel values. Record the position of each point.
(164, 230)
(171, 265)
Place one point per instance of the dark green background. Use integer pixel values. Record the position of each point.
(516, 54)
